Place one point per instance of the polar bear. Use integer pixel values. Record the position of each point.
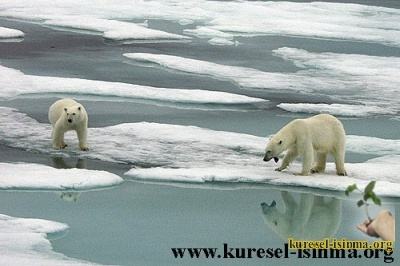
(65, 115)
(322, 134)
(311, 218)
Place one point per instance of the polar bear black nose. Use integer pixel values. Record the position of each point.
(69, 120)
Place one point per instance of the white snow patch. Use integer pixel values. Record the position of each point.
(193, 154)
(29, 176)
(221, 41)
(351, 110)
(15, 83)
(383, 169)
(359, 79)
(114, 30)
(24, 242)
(6, 33)
(337, 21)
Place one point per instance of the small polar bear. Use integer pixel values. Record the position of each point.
(65, 115)
(321, 134)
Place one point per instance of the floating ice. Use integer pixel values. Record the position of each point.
(244, 77)
(193, 154)
(114, 30)
(335, 109)
(384, 170)
(28, 176)
(6, 33)
(221, 41)
(340, 76)
(24, 242)
(338, 21)
(311, 20)
(372, 145)
(15, 83)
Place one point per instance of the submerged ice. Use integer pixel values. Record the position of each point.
(193, 154)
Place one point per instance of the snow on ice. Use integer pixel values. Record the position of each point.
(193, 154)
(29, 176)
(213, 19)
(351, 110)
(6, 33)
(15, 83)
(25, 242)
(339, 76)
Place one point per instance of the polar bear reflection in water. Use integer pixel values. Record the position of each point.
(59, 163)
(312, 218)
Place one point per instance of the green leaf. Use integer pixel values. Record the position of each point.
(368, 195)
(360, 203)
(376, 200)
(370, 187)
(350, 189)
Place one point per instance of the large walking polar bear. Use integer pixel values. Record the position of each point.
(65, 115)
(321, 134)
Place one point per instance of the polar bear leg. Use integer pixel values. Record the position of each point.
(307, 158)
(288, 159)
(321, 163)
(57, 139)
(339, 161)
(82, 136)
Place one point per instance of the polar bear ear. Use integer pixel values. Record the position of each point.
(280, 142)
(65, 109)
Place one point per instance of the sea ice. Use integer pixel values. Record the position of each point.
(6, 33)
(192, 154)
(341, 77)
(15, 83)
(112, 29)
(352, 110)
(29, 176)
(337, 21)
(383, 169)
(25, 242)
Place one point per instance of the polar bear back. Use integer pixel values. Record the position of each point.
(326, 131)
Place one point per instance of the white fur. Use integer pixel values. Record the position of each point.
(66, 115)
(321, 134)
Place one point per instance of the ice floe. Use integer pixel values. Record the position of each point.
(383, 169)
(113, 30)
(192, 154)
(357, 79)
(25, 242)
(350, 110)
(6, 33)
(15, 83)
(29, 176)
(338, 21)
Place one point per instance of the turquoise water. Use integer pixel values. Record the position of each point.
(137, 223)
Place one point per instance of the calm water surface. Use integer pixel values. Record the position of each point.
(138, 223)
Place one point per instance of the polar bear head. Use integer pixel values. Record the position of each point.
(73, 113)
(274, 148)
